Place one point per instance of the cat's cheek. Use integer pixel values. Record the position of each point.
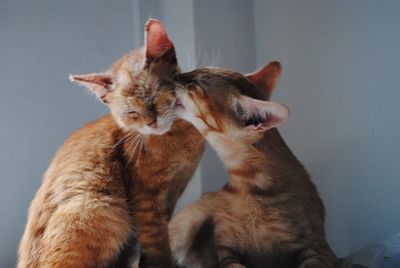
(162, 128)
(166, 125)
(182, 113)
(144, 130)
(153, 131)
(201, 126)
(186, 115)
(126, 122)
(249, 137)
(118, 118)
(161, 131)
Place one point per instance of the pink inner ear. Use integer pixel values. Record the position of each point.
(263, 115)
(98, 83)
(271, 121)
(101, 80)
(157, 41)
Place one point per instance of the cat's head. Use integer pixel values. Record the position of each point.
(138, 88)
(225, 103)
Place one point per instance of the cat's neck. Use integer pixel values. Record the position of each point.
(140, 149)
(261, 164)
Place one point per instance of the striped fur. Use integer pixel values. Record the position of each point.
(110, 186)
(269, 214)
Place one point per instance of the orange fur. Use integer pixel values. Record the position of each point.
(269, 214)
(110, 186)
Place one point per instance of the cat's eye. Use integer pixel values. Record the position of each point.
(132, 114)
(239, 110)
(191, 94)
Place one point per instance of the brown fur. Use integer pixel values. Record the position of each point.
(109, 185)
(269, 214)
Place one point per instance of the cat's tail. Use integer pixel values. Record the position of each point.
(191, 234)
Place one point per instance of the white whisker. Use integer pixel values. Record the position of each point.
(124, 139)
(135, 143)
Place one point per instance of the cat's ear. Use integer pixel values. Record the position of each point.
(98, 83)
(257, 115)
(266, 78)
(158, 46)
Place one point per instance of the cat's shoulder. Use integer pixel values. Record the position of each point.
(93, 136)
(101, 127)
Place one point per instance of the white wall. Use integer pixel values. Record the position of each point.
(341, 79)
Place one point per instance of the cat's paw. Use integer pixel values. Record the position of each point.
(312, 263)
(235, 265)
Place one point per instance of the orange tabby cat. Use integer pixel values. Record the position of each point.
(117, 179)
(269, 214)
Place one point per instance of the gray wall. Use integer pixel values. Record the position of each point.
(341, 80)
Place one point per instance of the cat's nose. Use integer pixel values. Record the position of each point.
(153, 123)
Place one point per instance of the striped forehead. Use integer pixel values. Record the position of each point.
(143, 89)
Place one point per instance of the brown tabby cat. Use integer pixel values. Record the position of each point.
(269, 214)
(117, 179)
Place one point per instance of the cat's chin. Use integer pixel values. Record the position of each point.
(180, 110)
(160, 131)
(155, 131)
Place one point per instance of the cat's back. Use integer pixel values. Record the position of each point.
(83, 189)
(89, 160)
(87, 146)
(93, 136)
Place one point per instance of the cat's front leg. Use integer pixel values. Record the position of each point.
(235, 265)
(152, 229)
(315, 262)
(227, 258)
(321, 256)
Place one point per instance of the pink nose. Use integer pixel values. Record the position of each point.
(153, 123)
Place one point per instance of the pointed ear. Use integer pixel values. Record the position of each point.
(157, 44)
(98, 83)
(265, 78)
(257, 115)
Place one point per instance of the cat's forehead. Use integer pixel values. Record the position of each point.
(137, 90)
(220, 81)
(218, 74)
(144, 90)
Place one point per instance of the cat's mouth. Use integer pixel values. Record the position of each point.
(158, 130)
(182, 104)
(178, 103)
(179, 107)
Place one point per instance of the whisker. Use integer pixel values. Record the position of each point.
(124, 139)
(161, 93)
(132, 143)
(141, 148)
(135, 144)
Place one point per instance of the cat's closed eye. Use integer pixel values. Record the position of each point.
(164, 103)
(132, 114)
